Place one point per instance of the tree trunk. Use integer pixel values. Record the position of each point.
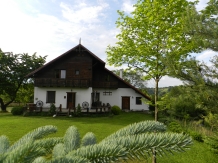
(154, 160)
(154, 156)
(156, 99)
(3, 106)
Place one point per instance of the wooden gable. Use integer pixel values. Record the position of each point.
(71, 69)
(78, 67)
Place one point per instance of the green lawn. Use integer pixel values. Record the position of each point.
(16, 126)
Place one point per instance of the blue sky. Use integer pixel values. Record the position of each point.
(52, 27)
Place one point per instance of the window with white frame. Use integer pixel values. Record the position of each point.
(63, 74)
(60, 74)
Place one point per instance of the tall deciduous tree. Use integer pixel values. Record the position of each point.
(153, 31)
(13, 69)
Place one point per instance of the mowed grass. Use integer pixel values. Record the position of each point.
(14, 127)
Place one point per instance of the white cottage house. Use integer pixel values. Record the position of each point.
(79, 76)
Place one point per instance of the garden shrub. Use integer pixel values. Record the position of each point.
(17, 110)
(175, 127)
(187, 107)
(196, 136)
(78, 110)
(115, 110)
(52, 109)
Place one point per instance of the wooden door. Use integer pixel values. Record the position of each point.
(71, 99)
(125, 103)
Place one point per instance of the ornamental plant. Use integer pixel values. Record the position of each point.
(115, 110)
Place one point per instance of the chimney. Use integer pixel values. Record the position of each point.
(121, 73)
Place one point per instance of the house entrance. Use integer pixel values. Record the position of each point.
(125, 103)
(71, 99)
(96, 99)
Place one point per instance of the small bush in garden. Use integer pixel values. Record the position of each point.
(17, 110)
(52, 109)
(78, 110)
(175, 127)
(196, 136)
(115, 110)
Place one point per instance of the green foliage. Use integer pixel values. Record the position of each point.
(181, 102)
(149, 36)
(34, 135)
(4, 144)
(25, 94)
(200, 95)
(14, 68)
(115, 110)
(142, 127)
(183, 107)
(213, 143)
(88, 139)
(198, 98)
(17, 110)
(78, 110)
(52, 109)
(132, 142)
(196, 136)
(71, 139)
(175, 127)
(212, 121)
(203, 27)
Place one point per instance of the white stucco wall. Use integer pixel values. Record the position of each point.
(81, 95)
(85, 95)
(116, 98)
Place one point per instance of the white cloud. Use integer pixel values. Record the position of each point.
(127, 6)
(83, 13)
(202, 4)
(49, 35)
(206, 55)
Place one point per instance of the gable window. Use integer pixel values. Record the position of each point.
(60, 74)
(138, 100)
(77, 72)
(50, 97)
(63, 74)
